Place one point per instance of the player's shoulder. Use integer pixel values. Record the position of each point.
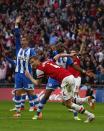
(39, 73)
(77, 60)
(31, 49)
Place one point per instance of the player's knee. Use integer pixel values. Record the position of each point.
(30, 92)
(68, 103)
(18, 93)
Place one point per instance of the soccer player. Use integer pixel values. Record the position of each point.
(65, 78)
(77, 76)
(51, 85)
(71, 67)
(23, 96)
(22, 83)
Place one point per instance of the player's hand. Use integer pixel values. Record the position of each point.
(84, 38)
(18, 19)
(90, 74)
(27, 74)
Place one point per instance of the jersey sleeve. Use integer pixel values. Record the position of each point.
(39, 74)
(55, 53)
(10, 61)
(32, 52)
(69, 62)
(17, 39)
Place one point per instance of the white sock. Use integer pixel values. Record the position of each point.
(77, 108)
(87, 113)
(81, 100)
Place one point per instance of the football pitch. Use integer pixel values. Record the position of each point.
(55, 118)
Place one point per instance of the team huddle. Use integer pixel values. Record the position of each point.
(63, 70)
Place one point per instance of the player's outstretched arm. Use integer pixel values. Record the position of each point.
(78, 69)
(60, 55)
(17, 21)
(34, 81)
(17, 34)
(88, 73)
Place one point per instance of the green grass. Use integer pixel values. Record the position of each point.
(55, 118)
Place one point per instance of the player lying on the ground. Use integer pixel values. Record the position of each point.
(65, 78)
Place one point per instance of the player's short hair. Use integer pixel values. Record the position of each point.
(73, 52)
(26, 36)
(34, 57)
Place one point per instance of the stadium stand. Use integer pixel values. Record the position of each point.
(75, 24)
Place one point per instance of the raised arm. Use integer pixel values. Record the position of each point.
(17, 34)
(88, 73)
(79, 69)
(60, 55)
(82, 45)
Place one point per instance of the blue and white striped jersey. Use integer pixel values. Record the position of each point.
(22, 62)
(62, 61)
(22, 55)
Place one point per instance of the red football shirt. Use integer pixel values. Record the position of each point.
(52, 70)
(72, 70)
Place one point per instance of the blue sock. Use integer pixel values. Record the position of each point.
(31, 100)
(18, 103)
(35, 100)
(41, 105)
(75, 114)
(23, 98)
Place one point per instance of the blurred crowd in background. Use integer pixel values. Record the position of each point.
(69, 24)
